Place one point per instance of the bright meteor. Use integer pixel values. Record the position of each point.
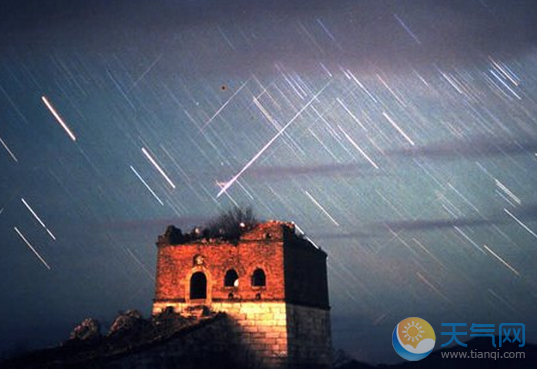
(157, 167)
(58, 118)
(256, 156)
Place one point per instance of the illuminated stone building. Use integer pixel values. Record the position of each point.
(271, 281)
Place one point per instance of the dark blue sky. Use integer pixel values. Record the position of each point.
(401, 136)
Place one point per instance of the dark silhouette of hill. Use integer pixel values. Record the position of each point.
(139, 345)
(164, 342)
(437, 359)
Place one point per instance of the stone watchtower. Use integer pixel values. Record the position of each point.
(271, 281)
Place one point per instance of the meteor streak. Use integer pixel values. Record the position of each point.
(155, 164)
(321, 208)
(38, 219)
(353, 143)
(224, 105)
(58, 118)
(31, 247)
(398, 128)
(256, 156)
(501, 260)
(146, 185)
(508, 192)
(8, 150)
(520, 223)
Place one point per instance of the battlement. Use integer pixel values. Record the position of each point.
(272, 229)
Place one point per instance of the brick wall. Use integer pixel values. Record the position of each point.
(279, 335)
(309, 337)
(175, 265)
(262, 328)
(305, 273)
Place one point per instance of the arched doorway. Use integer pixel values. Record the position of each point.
(198, 286)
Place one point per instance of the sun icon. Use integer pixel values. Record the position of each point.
(412, 332)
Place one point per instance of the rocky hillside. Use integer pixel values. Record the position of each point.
(165, 341)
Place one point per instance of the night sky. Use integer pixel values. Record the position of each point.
(400, 136)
